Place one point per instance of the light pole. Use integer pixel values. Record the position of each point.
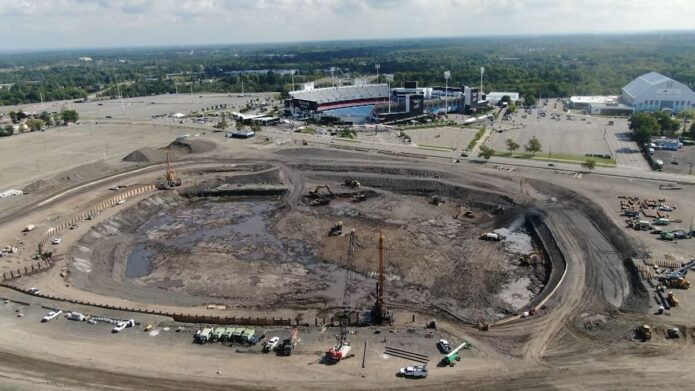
(447, 75)
(377, 66)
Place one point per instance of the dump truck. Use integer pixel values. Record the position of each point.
(203, 335)
(644, 332)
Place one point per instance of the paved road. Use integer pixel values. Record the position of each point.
(626, 152)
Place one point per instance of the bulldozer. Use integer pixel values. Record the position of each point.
(677, 283)
(359, 197)
(463, 212)
(337, 229)
(436, 200)
(672, 299)
(644, 331)
(351, 183)
(483, 325)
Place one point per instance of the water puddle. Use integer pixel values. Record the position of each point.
(517, 240)
(139, 261)
(224, 226)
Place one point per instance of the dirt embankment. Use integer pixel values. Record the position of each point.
(625, 247)
(73, 176)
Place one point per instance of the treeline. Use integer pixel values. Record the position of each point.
(534, 66)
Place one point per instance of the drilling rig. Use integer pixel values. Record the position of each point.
(379, 312)
(171, 179)
(342, 348)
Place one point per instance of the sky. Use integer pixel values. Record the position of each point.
(58, 24)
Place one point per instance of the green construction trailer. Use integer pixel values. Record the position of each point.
(203, 336)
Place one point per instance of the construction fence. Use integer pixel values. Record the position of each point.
(42, 265)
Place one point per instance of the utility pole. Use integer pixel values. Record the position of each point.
(377, 66)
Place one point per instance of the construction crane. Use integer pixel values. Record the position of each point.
(172, 179)
(379, 313)
(342, 348)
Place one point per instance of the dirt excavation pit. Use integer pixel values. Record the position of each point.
(274, 252)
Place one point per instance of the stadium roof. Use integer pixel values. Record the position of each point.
(345, 93)
(643, 83)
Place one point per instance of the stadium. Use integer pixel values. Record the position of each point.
(378, 103)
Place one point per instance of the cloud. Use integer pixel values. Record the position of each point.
(94, 23)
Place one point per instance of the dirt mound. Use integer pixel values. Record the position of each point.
(146, 154)
(186, 145)
(181, 146)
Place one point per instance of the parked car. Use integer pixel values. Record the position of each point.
(56, 240)
(51, 315)
(444, 346)
(120, 202)
(35, 291)
(418, 371)
(122, 325)
(271, 344)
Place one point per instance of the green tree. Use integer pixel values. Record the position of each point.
(6, 131)
(34, 124)
(47, 118)
(506, 99)
(486, 152)
(529, 100)
(511, 145)
(13, 116)
(239, 125)
(69, 116)
(687, 116)
(589, 164)
(643, 126)
(511, 109)
(256, 127)
(222, 125)
(347, 132)
(667, 125)
(533, 146)
(692, 131)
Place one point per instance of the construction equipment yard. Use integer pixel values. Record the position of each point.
(356, 258)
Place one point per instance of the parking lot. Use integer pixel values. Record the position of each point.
(560, 138)
(677, 162)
